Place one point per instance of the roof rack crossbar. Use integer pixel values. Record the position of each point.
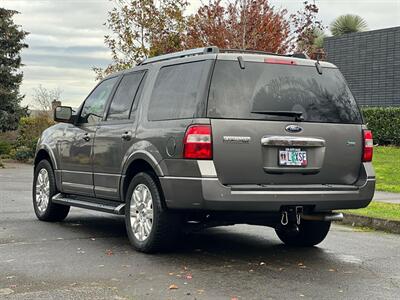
(180, 54)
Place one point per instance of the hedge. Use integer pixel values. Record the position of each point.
(384, 123)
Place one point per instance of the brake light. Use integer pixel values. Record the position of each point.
(368, 145)
(279, 61)
(197, 143)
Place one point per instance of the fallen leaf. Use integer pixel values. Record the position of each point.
(173, 287)
(109, 252)
(6, 291)
(189, 276)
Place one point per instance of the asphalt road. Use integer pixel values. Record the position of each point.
(88, 257)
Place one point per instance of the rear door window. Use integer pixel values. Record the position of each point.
(237, 93)
(178, 92)
(122, 102)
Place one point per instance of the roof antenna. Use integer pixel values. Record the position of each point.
(317, 64)
(241, 62)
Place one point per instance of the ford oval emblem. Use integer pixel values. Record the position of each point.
(293, 128)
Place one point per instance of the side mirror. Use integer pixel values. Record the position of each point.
(63, 114)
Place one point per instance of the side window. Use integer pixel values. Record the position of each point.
(124, 96)
(176, 92)
(93, 108)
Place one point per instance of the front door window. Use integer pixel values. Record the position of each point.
(93, 108)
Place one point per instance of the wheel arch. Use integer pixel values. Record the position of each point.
(139, 162)
(44, 153)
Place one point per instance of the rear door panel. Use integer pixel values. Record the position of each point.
(241, 158)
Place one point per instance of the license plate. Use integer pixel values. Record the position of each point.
(293, 157)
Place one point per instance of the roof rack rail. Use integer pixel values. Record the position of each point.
(249, 51)
(299, 55)
(295, 55)
(185, 53)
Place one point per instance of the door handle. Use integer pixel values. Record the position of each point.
(126, 136)
(86, 137)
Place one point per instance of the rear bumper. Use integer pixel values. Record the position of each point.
(202, 193)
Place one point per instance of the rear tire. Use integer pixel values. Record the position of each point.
(150, 227)
(44, 188)
(310, 233)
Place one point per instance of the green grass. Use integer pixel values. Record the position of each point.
(386, 162)
(380, 210)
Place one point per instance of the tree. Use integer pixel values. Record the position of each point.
(43, 97)
(348, 24)
(143, 28)
(308, 30)
(246, 24)
(11, 44)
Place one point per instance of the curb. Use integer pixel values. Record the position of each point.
(374, 223)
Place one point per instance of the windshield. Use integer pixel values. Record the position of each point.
(259, 88)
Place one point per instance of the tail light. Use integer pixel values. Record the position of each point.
(197, 143)
(368, 145)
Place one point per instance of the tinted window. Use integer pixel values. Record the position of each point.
(236, 93)
(177, 92)
(123, 99)
(93, 108)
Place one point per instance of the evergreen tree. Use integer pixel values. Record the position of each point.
(11, 43)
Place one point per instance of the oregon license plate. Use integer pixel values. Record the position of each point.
(293, 157)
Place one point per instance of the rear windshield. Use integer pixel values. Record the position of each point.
(237, 93)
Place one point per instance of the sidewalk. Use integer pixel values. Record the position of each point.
(387, 197)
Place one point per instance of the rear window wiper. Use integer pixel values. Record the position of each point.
(298, 115)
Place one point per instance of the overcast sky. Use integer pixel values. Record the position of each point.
(66, 37)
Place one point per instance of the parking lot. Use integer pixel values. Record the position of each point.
(88, 257)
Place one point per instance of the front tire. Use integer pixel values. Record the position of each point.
(44, 188)
(310, 233)
(150, 227)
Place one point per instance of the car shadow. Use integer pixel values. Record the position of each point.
(240, 242)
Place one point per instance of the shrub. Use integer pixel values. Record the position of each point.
(29, 131)
(23, 153)
(384, 123)
(5, 148)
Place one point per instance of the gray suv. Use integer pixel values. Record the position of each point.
(210, 137)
